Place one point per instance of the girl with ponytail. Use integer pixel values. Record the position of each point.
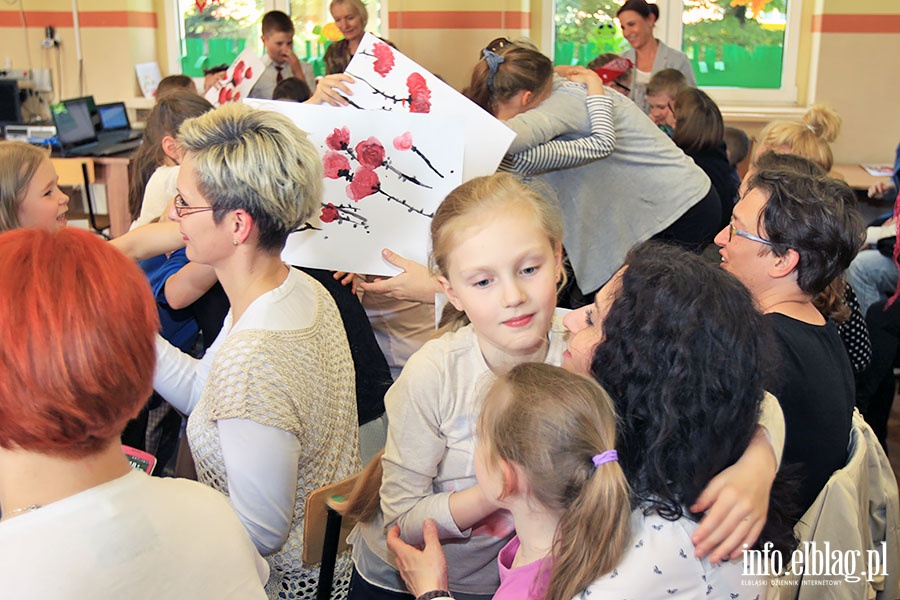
(545, 452)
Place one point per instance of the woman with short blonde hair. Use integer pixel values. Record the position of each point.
(272, 403)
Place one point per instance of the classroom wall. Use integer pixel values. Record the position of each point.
(445, 36)
(115, 34)
(855, 59)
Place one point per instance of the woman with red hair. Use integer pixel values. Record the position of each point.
(77, 521)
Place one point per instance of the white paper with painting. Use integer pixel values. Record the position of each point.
(387, 80)
(384, 178)
(240, 78)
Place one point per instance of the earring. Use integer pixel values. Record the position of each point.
(234, 241)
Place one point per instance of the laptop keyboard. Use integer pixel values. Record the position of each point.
(117, 148)
(117, 137)
(101, 149)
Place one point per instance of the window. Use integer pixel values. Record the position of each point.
(213, 33)
(741, 50)
(216, 33)
(315, 29)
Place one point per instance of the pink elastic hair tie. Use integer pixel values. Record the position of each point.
(605, 457)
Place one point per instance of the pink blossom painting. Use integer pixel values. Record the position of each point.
(383, 178)
(387, 80)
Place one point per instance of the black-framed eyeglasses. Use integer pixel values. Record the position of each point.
(183, 209)
(498, 44)
(733, 231)
(622, 87)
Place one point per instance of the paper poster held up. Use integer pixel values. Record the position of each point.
(383, 180)
(387, 80)
(240, 78)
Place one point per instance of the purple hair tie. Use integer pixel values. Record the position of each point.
(605, 457)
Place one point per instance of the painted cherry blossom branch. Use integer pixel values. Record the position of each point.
(343, 213)
(403, 176)
(377, 91)
(404, 142)
(408, 206)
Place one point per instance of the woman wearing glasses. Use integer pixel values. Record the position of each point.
(792, 232)
(272, 403)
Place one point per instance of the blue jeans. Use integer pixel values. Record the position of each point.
(873, 277)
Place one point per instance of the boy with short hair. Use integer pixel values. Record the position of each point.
(661, 92)
(280, 60)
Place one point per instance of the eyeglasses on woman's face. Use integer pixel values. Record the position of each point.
(183, 209)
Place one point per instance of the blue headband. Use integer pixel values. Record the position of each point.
(494, 61)
(605, 457)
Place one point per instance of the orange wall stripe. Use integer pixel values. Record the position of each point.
(856, 24)
(111, 18)
(447, 19)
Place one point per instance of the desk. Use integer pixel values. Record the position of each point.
(855, 176)
(113, 172)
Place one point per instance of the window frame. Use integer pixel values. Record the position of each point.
(173, 26)
(669, 29)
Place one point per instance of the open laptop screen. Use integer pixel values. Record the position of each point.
(113, 116)
(73, 122)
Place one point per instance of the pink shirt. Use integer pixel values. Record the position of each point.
(526, 582)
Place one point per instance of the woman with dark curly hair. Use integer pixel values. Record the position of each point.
(682, 351)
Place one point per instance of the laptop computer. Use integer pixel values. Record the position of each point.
(114, 123)
(92, 109)
(76, 134)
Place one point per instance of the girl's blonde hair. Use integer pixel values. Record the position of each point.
(18, 163)
(810, 139)
(551, 423)
(472, 203)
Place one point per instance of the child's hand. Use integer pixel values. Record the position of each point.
(351, 279)
(415, 283)
(293, 62)
(422, 570)
(878, 190)
(737, 500)
(331, 89)
(587, 77)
